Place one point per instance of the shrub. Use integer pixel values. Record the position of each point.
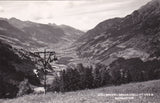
(24, 88)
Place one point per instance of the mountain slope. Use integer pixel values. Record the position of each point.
(71, 33)
(16, 37)
(29, 34)
(49, 33)
(43, 33)
(136, 35)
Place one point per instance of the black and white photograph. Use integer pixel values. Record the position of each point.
(79, 51)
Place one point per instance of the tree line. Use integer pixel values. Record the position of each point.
(118, 72)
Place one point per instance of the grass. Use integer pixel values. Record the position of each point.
(100, 95)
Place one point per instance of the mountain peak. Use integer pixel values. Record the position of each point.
(155, 1)
(152, 5)
(14, 19)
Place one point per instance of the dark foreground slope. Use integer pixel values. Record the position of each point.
(14, 68)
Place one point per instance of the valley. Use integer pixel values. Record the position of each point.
(118, 55)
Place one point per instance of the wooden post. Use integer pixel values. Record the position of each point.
(45, 61)
(45, 64)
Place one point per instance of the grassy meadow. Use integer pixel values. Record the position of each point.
(143, 92)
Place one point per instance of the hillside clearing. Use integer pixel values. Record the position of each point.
(143, 92)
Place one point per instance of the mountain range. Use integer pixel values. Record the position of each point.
(27, 34)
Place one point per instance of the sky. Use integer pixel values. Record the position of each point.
(81, 14)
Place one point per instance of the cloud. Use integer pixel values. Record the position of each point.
(91, 9)
(1, 9)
